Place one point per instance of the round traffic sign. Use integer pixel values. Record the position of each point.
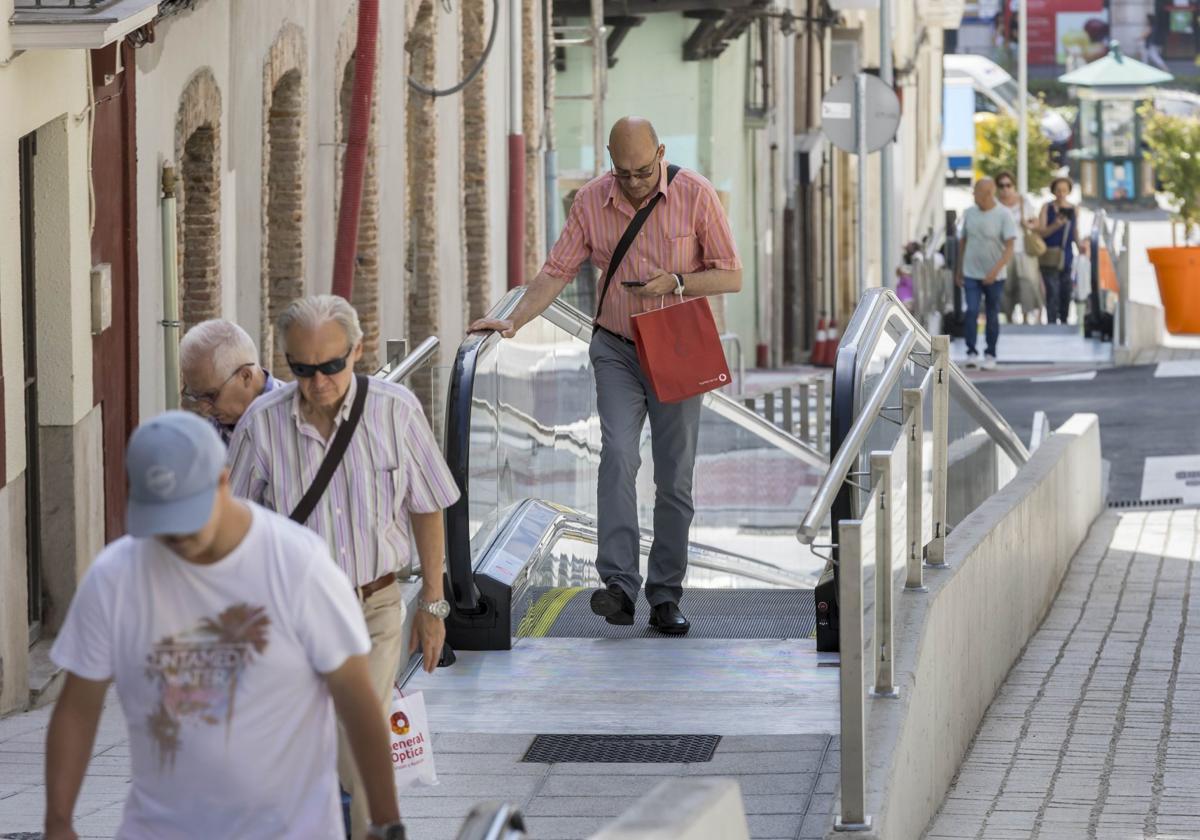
(882, 111)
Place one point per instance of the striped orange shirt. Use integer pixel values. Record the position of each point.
(686, 233)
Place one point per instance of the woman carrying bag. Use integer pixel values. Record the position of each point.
(1024, 284)
(1058, 225)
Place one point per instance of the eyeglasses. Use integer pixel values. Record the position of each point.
(210, 397)
(1004, 185)
(642, 174)
(329, 368)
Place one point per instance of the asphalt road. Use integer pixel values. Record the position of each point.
(1140, 416)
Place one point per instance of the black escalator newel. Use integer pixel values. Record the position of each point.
(447, 658)
(825, 596)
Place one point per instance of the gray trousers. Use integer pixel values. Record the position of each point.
(623, 399)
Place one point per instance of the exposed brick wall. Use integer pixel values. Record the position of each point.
(198, 150)
(421, 265)
(531, 103)
(283, 191)
(476, 25)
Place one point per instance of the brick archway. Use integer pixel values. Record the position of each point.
(365, 297)
(198, 150)
(283, 189)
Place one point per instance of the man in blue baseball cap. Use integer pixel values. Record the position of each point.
(232, 637)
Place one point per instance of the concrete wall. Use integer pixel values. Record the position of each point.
(72, 509)
(14, 601)
(955, 644)
(1145, 329)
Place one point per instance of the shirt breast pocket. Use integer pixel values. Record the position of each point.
(682, 253)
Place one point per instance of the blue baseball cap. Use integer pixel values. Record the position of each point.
(174, 462)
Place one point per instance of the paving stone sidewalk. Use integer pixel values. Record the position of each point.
(1095, 732)
(788, 783)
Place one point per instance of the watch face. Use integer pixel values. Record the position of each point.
(440, 609)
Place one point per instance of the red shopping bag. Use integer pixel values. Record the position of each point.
(680, 350)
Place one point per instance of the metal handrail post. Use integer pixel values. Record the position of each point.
(769, 406)
(935, 552)
(881, 483)
(851, 682)
(789, 411)
(1123, 289)
(805, 407)
(822, 417)
(914, 417)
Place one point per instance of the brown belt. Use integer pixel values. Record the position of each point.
(368, 589)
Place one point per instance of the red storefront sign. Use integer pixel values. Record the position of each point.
(1057, 27)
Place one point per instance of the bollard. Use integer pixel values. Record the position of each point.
(851, 683)
(936, 550)
(881, 485)
(751, 403)
(914, 418)
(789, 411)
(769, 406)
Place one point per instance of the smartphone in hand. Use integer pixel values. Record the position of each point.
(634, 282)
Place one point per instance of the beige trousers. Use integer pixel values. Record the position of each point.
(384, 613)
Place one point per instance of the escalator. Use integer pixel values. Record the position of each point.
(523, 440)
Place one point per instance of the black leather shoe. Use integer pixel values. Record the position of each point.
(666, 618)
(612, 603)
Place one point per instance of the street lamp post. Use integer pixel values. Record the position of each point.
(1023, 101)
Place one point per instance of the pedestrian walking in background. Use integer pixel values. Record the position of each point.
(218, 363)
(987, 244)
(388, 482)
(1024, 284)
(231, 638)
(1058, 225)
(684, 247)
(1154, 38)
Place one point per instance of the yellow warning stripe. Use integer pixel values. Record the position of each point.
(546, 610)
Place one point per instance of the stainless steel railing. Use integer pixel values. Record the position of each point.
(881, 315)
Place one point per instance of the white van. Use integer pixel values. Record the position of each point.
(996, 91)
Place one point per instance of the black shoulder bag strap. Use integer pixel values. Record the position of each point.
(635, 224)
(333, 457)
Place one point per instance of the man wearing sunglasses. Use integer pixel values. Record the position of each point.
(221, 375)
(386, 493)
(683, 249)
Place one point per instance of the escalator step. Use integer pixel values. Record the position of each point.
(714, 614)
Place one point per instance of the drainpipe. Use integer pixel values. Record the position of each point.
(345, 254)
(516, 151)
(170, 274)
(551, 152)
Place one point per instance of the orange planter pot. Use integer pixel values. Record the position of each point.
(1178, 271)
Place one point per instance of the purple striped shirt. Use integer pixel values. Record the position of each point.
(391, 468)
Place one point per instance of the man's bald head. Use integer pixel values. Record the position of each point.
(632, 130)
(985, 193)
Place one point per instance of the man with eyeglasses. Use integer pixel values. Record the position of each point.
(683, 249)
(221, 375)
(389, 483)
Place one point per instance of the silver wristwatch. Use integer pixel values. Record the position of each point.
(438, 609)
(391, 831)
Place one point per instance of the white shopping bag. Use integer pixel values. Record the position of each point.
(411, 740)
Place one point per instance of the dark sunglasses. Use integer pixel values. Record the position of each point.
(328, 368)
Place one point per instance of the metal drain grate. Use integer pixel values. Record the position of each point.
(1143, 503)
(622, 749)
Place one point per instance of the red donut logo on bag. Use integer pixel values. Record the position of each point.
(400, 723)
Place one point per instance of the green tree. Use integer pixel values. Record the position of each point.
(1173, 149)
(1000, 135)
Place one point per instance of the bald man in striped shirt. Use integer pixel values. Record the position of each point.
(684, 246)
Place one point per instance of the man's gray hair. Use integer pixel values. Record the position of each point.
(313, 311)
(220, 343)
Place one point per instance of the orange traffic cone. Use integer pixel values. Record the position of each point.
(818, 351)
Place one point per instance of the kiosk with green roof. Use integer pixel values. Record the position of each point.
(1108, 159)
